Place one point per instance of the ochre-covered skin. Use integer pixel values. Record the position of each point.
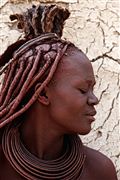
(64, 103)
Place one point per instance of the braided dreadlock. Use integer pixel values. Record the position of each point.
(31, 60)
(42, 19)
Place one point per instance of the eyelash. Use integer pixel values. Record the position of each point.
(83, 91)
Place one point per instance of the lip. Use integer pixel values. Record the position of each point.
(91, 118)
(90, 115)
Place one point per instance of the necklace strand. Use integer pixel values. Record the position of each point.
(67, 167)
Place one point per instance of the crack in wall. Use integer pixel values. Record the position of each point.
(118, 80)
(103, 91)
(103, 33)
(100, 66)
(110, 111)
(2, 4)
(105, 55)
(110, 71)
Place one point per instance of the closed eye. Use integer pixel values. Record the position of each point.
(83, 91)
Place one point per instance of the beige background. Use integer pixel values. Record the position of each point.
(94, 26)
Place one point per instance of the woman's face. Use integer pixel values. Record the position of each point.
(71, 95)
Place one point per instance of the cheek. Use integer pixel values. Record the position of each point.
(68, 103)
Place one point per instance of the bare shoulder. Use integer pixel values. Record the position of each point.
(100, 164)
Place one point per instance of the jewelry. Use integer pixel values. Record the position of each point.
(67, 167)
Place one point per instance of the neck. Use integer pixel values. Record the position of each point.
(40, 137)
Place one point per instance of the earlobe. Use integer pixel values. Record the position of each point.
(42, 98)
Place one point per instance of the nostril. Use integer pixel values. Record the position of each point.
(93, 100)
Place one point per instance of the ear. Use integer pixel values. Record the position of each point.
(43, 98)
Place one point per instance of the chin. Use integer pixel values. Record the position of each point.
(85, 131)
(78, 130)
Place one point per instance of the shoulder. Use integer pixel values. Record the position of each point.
(100, 164)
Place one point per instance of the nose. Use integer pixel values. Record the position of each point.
(92, 99)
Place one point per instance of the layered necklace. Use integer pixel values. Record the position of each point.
(67, 167)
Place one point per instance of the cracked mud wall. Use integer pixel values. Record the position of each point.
(94, 27)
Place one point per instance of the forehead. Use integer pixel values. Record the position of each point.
(76, 66)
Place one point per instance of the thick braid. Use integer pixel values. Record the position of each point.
(7, 108)
(7, 83)
(34, 62)
(48, 18)
(23, 78)
(13, 84)
(5, 78)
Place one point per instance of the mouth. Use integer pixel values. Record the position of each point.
(91, 118)
(90, 115)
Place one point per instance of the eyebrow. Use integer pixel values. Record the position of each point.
(86, 81)
(91, 82)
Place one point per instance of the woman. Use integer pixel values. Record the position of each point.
(46, 101)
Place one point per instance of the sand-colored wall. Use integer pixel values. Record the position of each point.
(94, 27)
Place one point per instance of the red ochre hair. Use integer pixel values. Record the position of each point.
(32, 60)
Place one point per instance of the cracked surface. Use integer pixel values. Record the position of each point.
(94, 27)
